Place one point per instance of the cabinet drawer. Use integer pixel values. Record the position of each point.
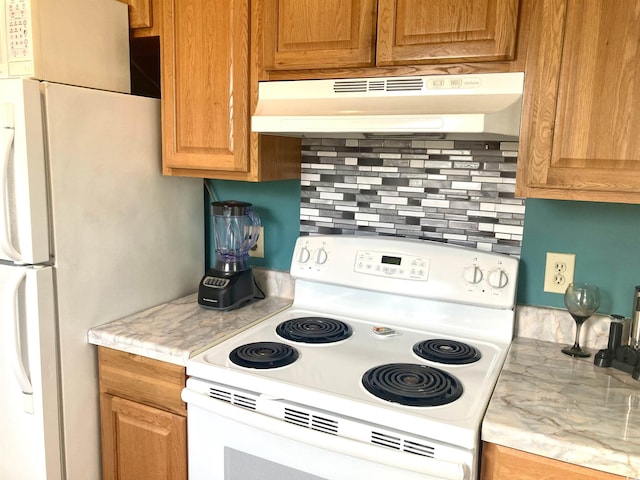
(142, 379)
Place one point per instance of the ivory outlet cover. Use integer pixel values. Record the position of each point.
(558, 272)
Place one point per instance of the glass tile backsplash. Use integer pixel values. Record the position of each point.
(453, 191)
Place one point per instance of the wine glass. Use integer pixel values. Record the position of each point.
(582, 300)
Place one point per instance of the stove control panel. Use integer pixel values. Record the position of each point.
(397, 266)
(416, 268)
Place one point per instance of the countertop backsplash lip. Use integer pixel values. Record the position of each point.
(556, 325)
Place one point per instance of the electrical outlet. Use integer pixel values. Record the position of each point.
(558, 272)
(258, 249)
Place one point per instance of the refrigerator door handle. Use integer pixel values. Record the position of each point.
(6, 139)
(10, 302)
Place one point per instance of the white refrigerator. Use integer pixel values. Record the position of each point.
(90, 231)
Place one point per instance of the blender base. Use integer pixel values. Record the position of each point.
(227, 291)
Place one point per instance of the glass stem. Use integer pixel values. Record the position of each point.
(576, 344)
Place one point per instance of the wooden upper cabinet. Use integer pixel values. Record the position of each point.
(318, 33)
(144, 17)
(415, 31)
(209, 90)
(326, 34)
(205, 85)
(580, 121)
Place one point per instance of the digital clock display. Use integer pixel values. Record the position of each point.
(391, 260)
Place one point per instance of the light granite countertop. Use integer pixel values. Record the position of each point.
(549, 404)
(174, 331)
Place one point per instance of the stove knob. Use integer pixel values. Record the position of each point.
(321, 256)
(472, 275)
(498, 279)
(304, 255)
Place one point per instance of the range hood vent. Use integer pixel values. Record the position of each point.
(483, 104)
(404, 84)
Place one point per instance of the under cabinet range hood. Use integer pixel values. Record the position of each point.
(484, 105)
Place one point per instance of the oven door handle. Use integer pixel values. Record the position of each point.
(424, 465)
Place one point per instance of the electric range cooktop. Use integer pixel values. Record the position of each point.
(407, 334)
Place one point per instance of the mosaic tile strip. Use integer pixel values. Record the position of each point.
(453, 191)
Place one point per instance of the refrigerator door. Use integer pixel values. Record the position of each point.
(29, 418)
(125, 238)
(24, 230)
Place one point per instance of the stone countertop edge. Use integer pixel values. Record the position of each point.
(565, 408)
(177, 330)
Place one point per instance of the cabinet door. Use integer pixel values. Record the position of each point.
(305, 34)
(144, 17)
(503, 463)
(438, 31)
(141, 442)
(580, 121)
(205, 85)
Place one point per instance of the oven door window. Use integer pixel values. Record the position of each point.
(239, 465)
(222, 448)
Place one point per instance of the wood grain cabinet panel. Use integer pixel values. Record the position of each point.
(318, 33)
(141, 442)
(205, 86)
(209, 90)
(415, 31)
(580, 121)
(142, 417)
(503, 463)
(355, 34)
(144, 17)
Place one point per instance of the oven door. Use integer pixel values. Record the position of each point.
(228, 442)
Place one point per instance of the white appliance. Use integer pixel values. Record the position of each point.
(483, 104)
(77, 42)
(90, 231)
(382, 367)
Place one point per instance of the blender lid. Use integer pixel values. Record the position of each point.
(233, 208)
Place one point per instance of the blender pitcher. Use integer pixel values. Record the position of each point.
(236, 228)
(230, 283)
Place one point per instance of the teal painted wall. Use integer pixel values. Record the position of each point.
(278, 206)
(605, 238)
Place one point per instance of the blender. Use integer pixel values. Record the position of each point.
(230, 283)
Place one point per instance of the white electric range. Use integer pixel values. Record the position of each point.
(383, 367)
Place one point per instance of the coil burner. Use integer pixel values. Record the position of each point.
(412, 384)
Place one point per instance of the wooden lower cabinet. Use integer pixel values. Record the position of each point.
(502, 463)
(143, 419)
